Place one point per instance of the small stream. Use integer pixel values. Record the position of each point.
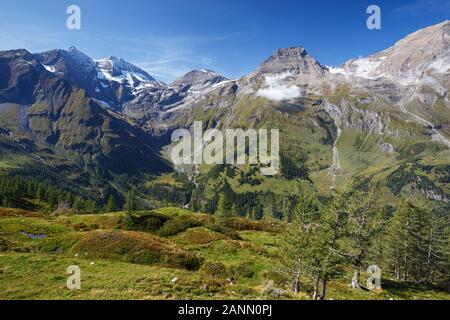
(336, 166)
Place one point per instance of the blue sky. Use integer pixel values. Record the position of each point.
(171, 37)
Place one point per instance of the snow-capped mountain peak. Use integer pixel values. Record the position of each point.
(424, 52)
(117, 69)
(197, 80)
(294, 64)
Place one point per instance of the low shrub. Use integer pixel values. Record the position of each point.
(174, 226)
(10, 213)
(59, 243)
(216, 269)
(213, 286)
(81, 227)
(94, 226)
(276, 277)
(135, 247)
(260, 250)
(4, 245)
(243, 224)
(147, 222)
(242, 270)
(199, 236)
(231, 233)
(227, 247)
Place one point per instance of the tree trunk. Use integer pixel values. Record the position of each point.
(397, 271)
(297, 282)
(324, 288)
(430, 250)
(316, 288)
(355, 280)
(405, 256)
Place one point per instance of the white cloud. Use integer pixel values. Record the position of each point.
(275, 90)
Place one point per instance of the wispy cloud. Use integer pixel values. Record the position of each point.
(33, 39)
(420, 7)
(163, 57)
(170, 58)
(166, 57)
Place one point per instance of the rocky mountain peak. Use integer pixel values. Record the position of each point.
(293, 59)
(118, 67)
(69, 64)
(294, 64)
(409, 61)
(197, 79)
(78, 57)
(295, 52)
(74, 50)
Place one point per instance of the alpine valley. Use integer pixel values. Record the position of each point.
(81, 138)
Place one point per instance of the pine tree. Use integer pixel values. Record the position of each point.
(222, 204)
(397, 241)
(364, 222)
(295, 238)
(416, 242)
(91, 206)
(314, 244)
(326, 241)
(78, 204)
(225, 201)
(234, 211)
(6, 203)
(438, 249)
(259, 212)
(69, 197)
(111, 204)
(40, 194)
(130, 202)
(52, 197)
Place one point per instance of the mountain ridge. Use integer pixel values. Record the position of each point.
(344, 121)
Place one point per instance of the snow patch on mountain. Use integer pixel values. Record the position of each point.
(222, 83)
(49, 68)
(365, 68)
(441, 65)
(118, 70)
(335, 70)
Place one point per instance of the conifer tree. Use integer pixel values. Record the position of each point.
(234, 211)
(417, 243)
(294, 240)
(363, 225)
(397, 241)
(111, 204)
(130, 202)
(221, 211)
(78, 204)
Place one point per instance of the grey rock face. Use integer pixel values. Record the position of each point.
(24, 80)
(403, 73)
(113, 80)
(50, 111)
(294, 60)
(295, 64)
(422, 57)
(118, 68)
(73, 66)
(197, 80)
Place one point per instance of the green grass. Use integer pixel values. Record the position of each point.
(33, 269)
